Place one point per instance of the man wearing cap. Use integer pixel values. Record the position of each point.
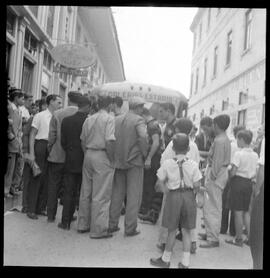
(131, 148)
(56, 157)
(71, 129)
(97, 139)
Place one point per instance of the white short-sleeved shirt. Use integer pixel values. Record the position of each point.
(246, 161)
(25, 112)
(192, 154)
(262, 153)
(169, 172)
(41, 122)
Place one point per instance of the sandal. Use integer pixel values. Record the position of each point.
(236, 242)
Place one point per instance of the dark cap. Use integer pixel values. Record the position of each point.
(73, 96)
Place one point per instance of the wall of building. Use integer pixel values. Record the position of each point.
(245, 73)
(40, 79)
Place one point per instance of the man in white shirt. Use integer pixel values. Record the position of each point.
(38, 141)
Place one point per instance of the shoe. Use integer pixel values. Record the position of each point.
(108, 235)
(83, 231)
(193, 247)
(202, 236)
(113, 230)
(236, 242)
(50, 220)
(161, 246)
(180, 265)
(223, 232)
(179, 236)
(63, 226)
(42, 213)
(210, 244)
(24, 210)
(149, 218)
(32, 215)
(74, 218)
(134, 233)
(159, 263)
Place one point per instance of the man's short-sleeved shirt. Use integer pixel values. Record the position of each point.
(169, 172)
(97, 129)
(246, 161)
(153, 128)
(41, 122)
(25, 112)
(169, 132)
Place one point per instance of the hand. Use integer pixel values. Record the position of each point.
(147, 163)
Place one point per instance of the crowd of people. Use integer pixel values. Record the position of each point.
(92, 158)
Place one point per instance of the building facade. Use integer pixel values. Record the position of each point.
(32, 31)
(228, 66)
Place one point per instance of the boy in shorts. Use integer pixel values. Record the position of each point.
(243, 173)
(180, 179)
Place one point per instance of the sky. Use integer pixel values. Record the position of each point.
(156, 45)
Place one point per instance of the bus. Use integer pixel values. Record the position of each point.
(153, 96)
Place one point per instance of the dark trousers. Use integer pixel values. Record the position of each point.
(55, 178)
(37, 189)
(226, 212)
(256, 230)
(72, 181)
(27, 174)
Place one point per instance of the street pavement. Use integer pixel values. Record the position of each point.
(38, 243)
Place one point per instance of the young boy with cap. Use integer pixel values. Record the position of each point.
(180, 179)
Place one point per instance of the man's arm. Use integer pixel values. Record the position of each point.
(153, 149)
(218, 157)
(52, 132)
(110, 138)
(259, 180)
(32, 136)
(142, 134)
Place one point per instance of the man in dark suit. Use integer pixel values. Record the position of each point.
(71, 129)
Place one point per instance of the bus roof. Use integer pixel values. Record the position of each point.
(151, 93)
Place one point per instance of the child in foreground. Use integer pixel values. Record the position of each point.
(180, 179)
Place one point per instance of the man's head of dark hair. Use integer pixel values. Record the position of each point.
(222, 121)
(206, 121)
(41, 102)
(50, 98)
(146, 112)
(246, 135)
(104, 101)
(73, 96)
(118, 101)
(237, 128)
(83, 101)
(180, 142)
(27, 96)
(168, 106)
(184, 125)
(15, 93)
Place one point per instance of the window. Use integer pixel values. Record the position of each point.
(191, 84)
(34, 10)
(242, 117)
(205, 71)
(200, 33)
(50, 20)
(47, 61)
(247, 39)
(212, 110)
(197, 80)
(225, 104)
(229, 48)
(27, 76)
(202, 114)
(63, 76)
(30, 43)
(11, 23)
(208, 18)
(243, 97)
(215, 61)
(194, 41)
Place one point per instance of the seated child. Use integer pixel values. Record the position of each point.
(243, 172)
(180, 180)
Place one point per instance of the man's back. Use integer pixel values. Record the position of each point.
(128, 152)
(57, 153)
